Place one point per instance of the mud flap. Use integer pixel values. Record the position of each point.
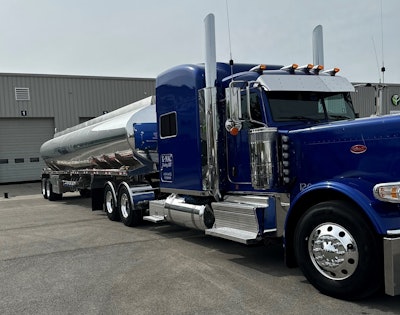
(97, 199)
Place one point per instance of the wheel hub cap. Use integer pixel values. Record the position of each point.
(125, 208)
(333, 251)
(109, 202)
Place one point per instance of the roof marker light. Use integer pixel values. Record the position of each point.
(260, 68)
(317, 69)
(332, 72)
(306, 68)
(290, 68)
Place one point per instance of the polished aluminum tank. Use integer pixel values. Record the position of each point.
(125, 138)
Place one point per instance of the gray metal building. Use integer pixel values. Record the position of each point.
(33, 107)
(365, 98)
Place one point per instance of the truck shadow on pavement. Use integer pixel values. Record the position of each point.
(264, 259)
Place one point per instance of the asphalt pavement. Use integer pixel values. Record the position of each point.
(62, 258)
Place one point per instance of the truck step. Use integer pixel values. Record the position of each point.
(156, 212)
(232, 234)
(154, 218)
(235, 216)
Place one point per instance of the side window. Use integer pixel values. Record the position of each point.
(335, 105)
(168, 126)
(255, 107)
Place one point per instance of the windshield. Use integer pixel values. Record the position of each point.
(310, 106)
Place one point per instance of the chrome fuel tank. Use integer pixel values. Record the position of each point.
(126, 137)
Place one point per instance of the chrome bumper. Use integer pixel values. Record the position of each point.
(391, 252)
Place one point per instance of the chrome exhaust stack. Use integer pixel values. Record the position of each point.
(210, 93)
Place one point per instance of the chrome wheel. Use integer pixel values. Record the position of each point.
(333, 251)
(44, 188)
(129, 215)
(109, 202)
(338, 251)
(125, 205)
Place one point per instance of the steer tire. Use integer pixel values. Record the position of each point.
(338, 252)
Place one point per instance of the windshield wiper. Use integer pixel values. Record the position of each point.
(339, 117)
(302, 118)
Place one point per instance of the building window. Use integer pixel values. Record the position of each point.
(19, 160)
(22, 94)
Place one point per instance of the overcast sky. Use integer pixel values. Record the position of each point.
(138, 38)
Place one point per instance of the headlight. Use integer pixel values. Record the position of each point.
(388, 192)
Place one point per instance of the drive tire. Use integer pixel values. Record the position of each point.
(338, 252)
(110, 203)
(129, 216)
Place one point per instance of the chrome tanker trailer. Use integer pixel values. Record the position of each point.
(116, 151)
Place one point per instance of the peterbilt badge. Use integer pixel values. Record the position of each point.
(358, 149)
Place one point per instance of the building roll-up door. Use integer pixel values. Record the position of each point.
(20, 141)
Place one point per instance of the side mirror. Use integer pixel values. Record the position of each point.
(234, 110)
(233, 104)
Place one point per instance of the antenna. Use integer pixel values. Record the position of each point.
(229, 37)
(376, 57)
(383, 63)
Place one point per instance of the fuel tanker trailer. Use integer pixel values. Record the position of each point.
(109, 157)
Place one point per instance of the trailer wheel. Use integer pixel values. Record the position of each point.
(129, 216)
(50, 195)
(43, 186)
(338, 252)
(110, 203)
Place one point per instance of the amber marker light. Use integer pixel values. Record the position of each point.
(234, 131)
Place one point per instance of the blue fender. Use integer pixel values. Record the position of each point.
(357, 190)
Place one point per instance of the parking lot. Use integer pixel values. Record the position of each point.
(62, 258)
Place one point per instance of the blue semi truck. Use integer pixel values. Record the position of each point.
(250, 153)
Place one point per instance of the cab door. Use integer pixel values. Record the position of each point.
(238, 147)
